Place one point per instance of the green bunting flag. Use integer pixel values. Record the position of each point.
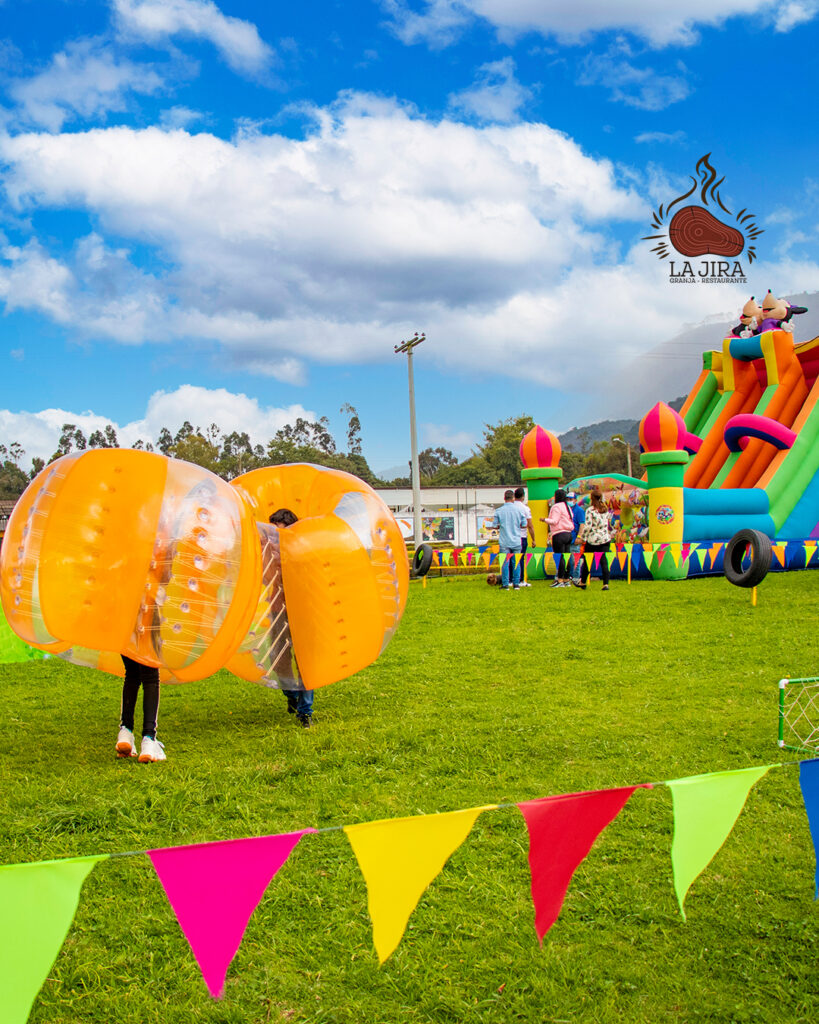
(706, 808)
(37, 905)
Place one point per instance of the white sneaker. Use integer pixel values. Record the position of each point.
(151, 750)
(125, 743)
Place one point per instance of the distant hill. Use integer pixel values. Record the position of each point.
(673, 366)
(580, 439)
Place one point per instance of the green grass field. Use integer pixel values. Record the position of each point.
(482, 697)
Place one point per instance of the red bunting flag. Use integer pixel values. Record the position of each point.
(214, 888)
(561, 832)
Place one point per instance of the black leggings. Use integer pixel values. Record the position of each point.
(136, 674)
(604, 563)
(561, 546)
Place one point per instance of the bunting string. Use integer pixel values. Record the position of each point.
(214, 888)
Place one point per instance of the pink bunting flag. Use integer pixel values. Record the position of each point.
(562, 830)
(596, 559)
(213, 889)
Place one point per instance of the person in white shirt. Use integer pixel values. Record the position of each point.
(525, 533)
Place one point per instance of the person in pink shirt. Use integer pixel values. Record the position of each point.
(561, 525)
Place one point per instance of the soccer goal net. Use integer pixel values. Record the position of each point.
(799, 714)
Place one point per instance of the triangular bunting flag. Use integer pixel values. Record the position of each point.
(713, 552)
(588, 556)
(674, 553)
(37, 905)
(609, 557)
(696, 556)
(596, 559)
(214, 888)
(399, 857)
(685, 551)
(621, 558)
(660, 551)
(809, 784)
(810, 551)
(706, 808)
(561, 832)
(538, 559)
(779, 552)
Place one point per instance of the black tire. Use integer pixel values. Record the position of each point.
(422, 560)
(759, 545)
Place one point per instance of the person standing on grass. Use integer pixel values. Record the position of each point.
(527, 532)
(596, 533)
(510, 521)
(299, 702)
(146, 676)
(560, 525)
(578, 518)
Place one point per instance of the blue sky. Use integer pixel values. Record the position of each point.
(232, 212)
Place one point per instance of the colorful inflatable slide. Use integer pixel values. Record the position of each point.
(743, 453)
(755, 415)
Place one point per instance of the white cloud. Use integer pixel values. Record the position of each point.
(442, 435)
(85, 79)
(285, 250)
(496, 94)
(495, 240)
(661, 137)
(154, 21)
(439, 22)
(39, 432)
(438, 25)
(180, 117)
(643, 88)
(794, 12)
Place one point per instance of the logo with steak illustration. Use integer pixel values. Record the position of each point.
(704, 227)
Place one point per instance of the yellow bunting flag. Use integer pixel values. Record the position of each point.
(589, 557)
(810, 551)
(674, 552)
(399, 857)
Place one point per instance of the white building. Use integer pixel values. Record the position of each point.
(460, 515)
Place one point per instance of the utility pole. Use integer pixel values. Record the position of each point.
(620, 440)
(408, 346)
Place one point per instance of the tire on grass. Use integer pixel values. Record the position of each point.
(759, 546)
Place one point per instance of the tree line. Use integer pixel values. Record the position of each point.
(494, 462)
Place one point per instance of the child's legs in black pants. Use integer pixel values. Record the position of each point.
(137, 674)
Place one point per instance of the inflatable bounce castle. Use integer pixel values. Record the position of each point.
(742, 453)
